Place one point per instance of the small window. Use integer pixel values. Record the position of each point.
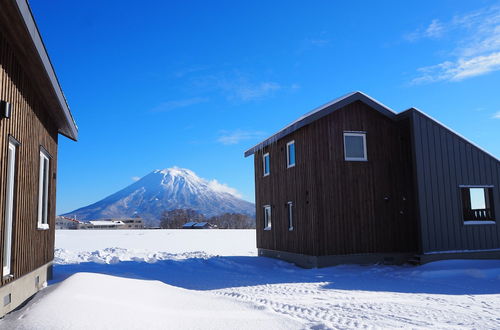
(355, 146)
(9, 206)
(290, 154)
(266, 164)
(43, 190)
(477, 205)
(289, 206)
(267, 217)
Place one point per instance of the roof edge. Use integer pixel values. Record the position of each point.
(32, 28)
(450, 130)
(320, 112)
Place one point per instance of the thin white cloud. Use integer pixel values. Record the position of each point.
(256, 91)
(496, 115)
(222, 187)
(136, 178)
(460, 69)
(476, 51)
(319, 42)
(236, 136)
(238, 86)
(244, 90)
(176, 104)
(434, 30)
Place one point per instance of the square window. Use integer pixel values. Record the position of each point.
(477, 204)
(355, 146)
(290, 154)
(267, 217)
(266, 164)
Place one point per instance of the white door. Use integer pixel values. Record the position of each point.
(9, 207)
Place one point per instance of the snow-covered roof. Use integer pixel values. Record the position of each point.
(320, 112)
(106, 223)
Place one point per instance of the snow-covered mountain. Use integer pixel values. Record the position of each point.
(168, 189)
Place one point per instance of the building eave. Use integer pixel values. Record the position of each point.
(320, 112)
(69, 128)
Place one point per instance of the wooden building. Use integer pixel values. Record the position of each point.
(353, 181)
(33, 111)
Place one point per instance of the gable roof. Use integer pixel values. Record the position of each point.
(59, 107)
(448, 129)
(323, 111)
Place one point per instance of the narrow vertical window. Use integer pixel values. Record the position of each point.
(267, 217)
(290, 154)
(9, 206)
(355, 146)
(43, 190)
(290, 215)
(266, 164)
(477, 205)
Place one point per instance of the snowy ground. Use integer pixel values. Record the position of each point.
(160, 279)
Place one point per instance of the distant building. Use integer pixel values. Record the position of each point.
(198, 225)
(202, 225)
(132, 223)
(129, 223)
(105, 224)
(66, 223)
(189, 225)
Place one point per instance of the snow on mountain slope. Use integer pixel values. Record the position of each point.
(167, 189)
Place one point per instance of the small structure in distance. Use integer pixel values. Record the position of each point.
(198, 225)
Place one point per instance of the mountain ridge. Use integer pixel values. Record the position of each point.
(166, 189)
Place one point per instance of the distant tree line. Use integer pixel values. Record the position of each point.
(174, 219)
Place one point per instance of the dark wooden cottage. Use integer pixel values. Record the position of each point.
(33, 111)
(353, 181)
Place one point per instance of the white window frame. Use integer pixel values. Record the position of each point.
(9, 206)
(359, 159)
(264, 164)
(288, 165)
(267, 219)
(43, 190)
(480, 222)
(289, 207)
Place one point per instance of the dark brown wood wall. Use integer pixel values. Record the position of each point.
(341, 207)
(32, 127)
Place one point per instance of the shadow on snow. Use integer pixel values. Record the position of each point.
(443, 277)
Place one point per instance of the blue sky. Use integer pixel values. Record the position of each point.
(156, 84)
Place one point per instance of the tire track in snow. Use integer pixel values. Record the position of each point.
(319, 308)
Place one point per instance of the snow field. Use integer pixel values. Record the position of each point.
(212, 279)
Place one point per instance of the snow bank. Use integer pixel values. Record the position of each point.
(205, 272)
(95, 301)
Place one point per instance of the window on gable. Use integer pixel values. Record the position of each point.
(267, 217)
(290, 154)
(355, 146)
(477, 205)
(266, 164)
(43, 190)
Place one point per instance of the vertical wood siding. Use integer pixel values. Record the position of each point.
(443, 162)
(31, 126)
(340, 207)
